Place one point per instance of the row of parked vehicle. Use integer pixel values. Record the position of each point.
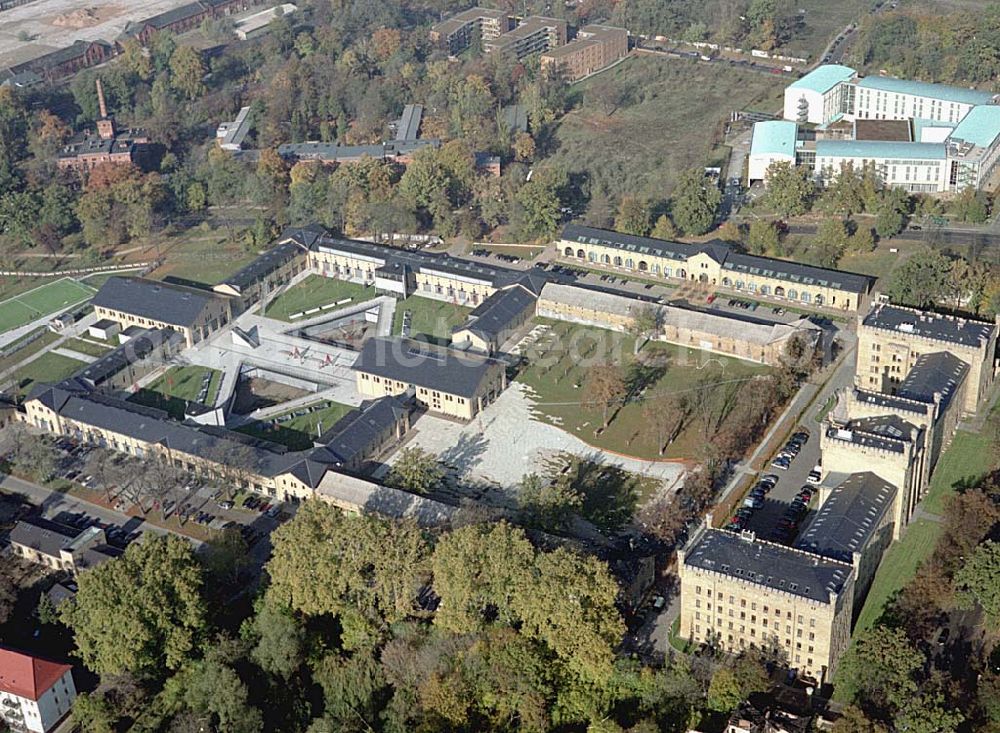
(116, 536)
(753, 502)
(257, 504)
(788, 525)
(792, 448)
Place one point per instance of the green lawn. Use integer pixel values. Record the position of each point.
(558, 366)
(41, 301)
(897, 569)
(430, 318)
(88, 347)
(177, 386)
(313, 292)
(968, 458)
(47, 368)
(23, 352)
(299, 432)
(199, 255)
(674, 118)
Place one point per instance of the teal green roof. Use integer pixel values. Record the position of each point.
(980, 127)
(823, 78)
(926, 89)
(776, 137)
(879, 149)
(919, 123)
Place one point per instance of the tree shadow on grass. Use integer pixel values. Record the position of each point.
(609, 493)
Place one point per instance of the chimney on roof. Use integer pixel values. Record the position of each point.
(106, 124)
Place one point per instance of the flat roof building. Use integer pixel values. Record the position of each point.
(594, 48)
(772, 142)
(535, 34)
(475, 24)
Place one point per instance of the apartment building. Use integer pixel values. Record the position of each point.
(35, 694)
(535, 34)
(194, 313)
(447, 381)
(716, 264)
(459, 31)
(892, 339)
(594, 48)
(739, 592)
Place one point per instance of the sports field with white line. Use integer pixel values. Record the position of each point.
(42, 301)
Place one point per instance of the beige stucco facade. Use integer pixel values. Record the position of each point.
(436, 400)
(737, 614)
(704, 268)
(214, 316)
(886, 356)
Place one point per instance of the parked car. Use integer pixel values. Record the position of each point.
(753, 502)
(815, 475)
(225, 504)
(781, 462)
(801, 436)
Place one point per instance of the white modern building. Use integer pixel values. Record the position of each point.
(922, 137)
(774, 141)
(35, 694)
(819, 96)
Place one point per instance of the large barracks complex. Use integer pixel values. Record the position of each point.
(916, 374)
(924, 138)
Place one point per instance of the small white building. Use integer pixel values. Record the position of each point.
(35, 694)
(257, 24)
(773, 141)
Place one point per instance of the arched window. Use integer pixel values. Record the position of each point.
(656, 269)
(579, 253)
(668, 272)
(805, 297)
(618, 261)
(630, 263)
(793, 294)
(779, 291)
(643, 266)
(739, 284)
(681, 273)
(819, 300)
(592, 256)
(606, 259)
(726, 282)
(568, 251)
(703, 278)
(765, 289)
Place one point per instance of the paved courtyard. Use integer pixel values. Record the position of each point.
(505, 442)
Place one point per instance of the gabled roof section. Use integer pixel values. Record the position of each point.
(849, 517)
(26, 676)
(176, 305)
(421, 364)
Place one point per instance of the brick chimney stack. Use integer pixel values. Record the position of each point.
(105, 125)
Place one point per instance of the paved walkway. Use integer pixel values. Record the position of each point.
(506, 442)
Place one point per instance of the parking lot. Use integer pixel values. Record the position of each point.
(766, 519)
(191, 499)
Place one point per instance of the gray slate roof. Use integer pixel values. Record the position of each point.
(354, 433)
(767, 564)
(264, 264)
(495, 314)
(165, 302)
(132, 351)
(793, 272)
(424, 365)
(948, 329)
(848, 518)
(938, 373)
(44, 536)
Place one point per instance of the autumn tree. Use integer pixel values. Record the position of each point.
(547, 503)
(665, 413)
(664, 228)
(789, 189)
(415, 470)
(762, 237)
(919, 281)
(604, 388)
(695, 202)
(187, 72)
(524, 147)
(880, 669)
(978, 581)
(633, 217)
(830, 242)
(140, 613)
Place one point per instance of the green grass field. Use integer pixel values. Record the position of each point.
(47, 369)
(897, 569)
(177, 386)
(298, 433)
(557, 370)
(86, 346)
(41, 301)
(313, 292)
(199, 255)
(430, 318)
(674, 118)
(968, 458)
